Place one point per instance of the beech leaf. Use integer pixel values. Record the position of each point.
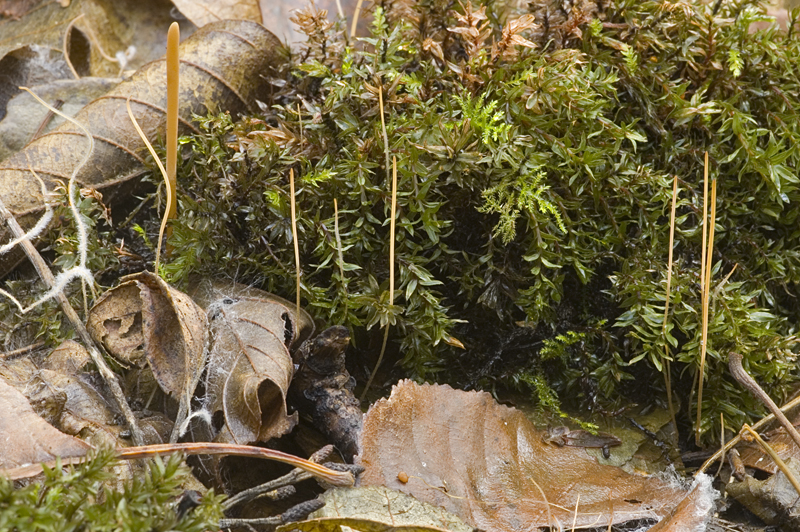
(489, 465)
(217, 69)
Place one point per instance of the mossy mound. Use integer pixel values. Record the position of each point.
(535, 164)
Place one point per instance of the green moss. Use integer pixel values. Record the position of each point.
(534, 187)
(76, 498)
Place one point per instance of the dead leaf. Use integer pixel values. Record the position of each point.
(217, 71)
(27, 438)
(146, 320)
(202, 12)
(487, 464)
(754, 456)
(250, 365)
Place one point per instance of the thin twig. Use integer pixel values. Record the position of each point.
(335, 478)
(47, 276)
(721, 441)
(738, 372)
(727, 447)
(293, 477)
(21, 351)
(47, 119)
(775, 458)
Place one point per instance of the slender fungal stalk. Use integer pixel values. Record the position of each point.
(163, 174)
(704, 341)
(667, 371)
(355, 19)
(294, 238)
(391, 275)
(173, 76)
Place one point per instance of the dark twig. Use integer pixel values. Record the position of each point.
(293, 477)
(738, 372)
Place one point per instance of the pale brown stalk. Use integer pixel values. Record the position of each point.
(775, 458)
(667, 371)
(704, 341)
(391, 276)
(173, 83)
(163, 174)
(294, 238)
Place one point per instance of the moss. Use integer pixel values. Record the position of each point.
(526, 175)
(76, 498)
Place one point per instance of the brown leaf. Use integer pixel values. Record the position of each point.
(145, 319)
(217, 71)
(27, 438)
(250, 365)
(487, 464)
(202, 12)
(754, 456)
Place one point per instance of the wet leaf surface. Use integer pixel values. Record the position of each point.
(487, 464)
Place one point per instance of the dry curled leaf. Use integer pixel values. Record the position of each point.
(217, 71)
(487, 464)
(250, 365)
(146, 321)
(774, 500)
